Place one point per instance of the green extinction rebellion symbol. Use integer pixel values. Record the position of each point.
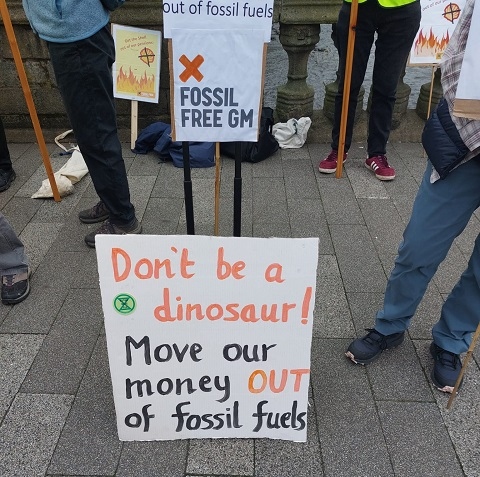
(124, 303)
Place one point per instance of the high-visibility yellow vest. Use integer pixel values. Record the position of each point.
(389, 3)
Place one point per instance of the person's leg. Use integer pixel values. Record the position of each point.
(364, 34)
(396, 31)
(7, 174)
(460, 314)
(440, 213)
(5, 161)
(13, 265)
(84, 78)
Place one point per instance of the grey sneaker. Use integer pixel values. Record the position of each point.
(108, 228)
(15, 287)
(97, 213)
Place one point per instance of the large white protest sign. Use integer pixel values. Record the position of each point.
(218, 15)
(217, 82)
(439, 18)
(208, 336)
(467, 98)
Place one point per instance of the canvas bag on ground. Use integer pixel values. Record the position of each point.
(293, 133)
(255, 151)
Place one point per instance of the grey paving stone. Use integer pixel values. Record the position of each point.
(30, 432)
(36, 314)
(275, 458)
(461, 420)
(61, 362)
(430, 452)
(161, 216)
(350, 431)
(37, 238)
(384, 224)
(362, 184)
(89, 444)
(146, 165)
(339, 200)
(140, 187)
(357, 259)
(302, 187)
(221, 456)
(19, 211)
(153, 459)
(307, 219)
(332, 317)
(16, 355)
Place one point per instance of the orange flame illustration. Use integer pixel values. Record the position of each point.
(140, 86)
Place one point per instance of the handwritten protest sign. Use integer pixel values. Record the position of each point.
(218, 15)
(208, 336)
(217, 81)
(439, 18)
(136, 71)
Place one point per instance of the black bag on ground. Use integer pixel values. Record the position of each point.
(255, 151)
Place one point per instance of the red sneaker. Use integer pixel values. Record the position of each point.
(329, 164)
(379, 165)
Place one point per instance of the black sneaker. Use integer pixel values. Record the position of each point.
(446, 368)
(6, 178)
(365, 350)
(15, 287)
(97, 213)
(108, 228)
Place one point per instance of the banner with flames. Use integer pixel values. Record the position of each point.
(136, 71)
(439, 18)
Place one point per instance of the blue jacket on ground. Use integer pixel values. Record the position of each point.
(66, 21)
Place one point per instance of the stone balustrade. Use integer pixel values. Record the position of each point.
(299, 22)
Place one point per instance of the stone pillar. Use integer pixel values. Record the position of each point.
(423, 108)
(295, 98)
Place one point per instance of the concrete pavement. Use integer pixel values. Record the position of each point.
(57, 415)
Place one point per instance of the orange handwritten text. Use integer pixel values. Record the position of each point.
(256, 387)
(145, 268)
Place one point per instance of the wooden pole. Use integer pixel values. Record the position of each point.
(464, 365)
(133, 124)
(28, 97)
(346, 86)
(217, 186)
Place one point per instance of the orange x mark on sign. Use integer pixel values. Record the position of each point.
(191, 68)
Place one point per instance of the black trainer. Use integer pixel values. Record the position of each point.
(446, 368)
(108, 228)
(365, 350)
(97, 213)
(15, 287)
(6, 178)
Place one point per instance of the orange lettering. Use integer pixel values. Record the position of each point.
(252, 377)
(128, 264)
(273, 273)
(184, 263)
(298, 377)
(282, 382)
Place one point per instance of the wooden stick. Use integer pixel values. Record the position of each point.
(134, 124)
(464, 365)
(28, 98)
(217, 186)
(346, 86)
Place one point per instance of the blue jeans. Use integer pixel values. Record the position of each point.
(396, 29)
(441, 212)
(83, 70)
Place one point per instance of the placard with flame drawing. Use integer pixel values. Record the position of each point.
(136, 71)
(439, 18)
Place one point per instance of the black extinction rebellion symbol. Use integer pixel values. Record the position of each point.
(124, 303)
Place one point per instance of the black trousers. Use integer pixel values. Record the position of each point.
(396, 29)
(83, 70)
(5, 161)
